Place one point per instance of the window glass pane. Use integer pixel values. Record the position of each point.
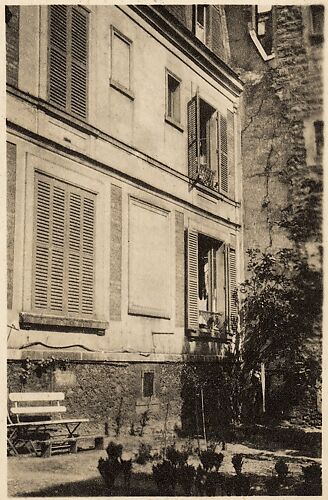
(173, 98)
(148, 384)
(201, 14)
(121, 61)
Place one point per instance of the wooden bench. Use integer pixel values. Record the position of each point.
(35, 421)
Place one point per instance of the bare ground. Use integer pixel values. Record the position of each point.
(69, 475)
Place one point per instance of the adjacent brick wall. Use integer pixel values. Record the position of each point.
(11, 201)
(115, 253)
(179, 266)
(12, 44)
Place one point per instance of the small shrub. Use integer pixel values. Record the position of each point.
(165, 477)
(237, 462)
(186, 477)
(114, 451)
(144, 453)
(176, 457)
(281, 468)
(211, 460)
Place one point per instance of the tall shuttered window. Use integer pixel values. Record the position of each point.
(212, 303)
(68, 58)
(64, 254)
(210, 146)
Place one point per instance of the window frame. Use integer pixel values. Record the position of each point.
(29, 318)
(145, 372)
(168, 118)
(316, 36)
(127, 91)
(206, 22)
(68, 107)
(229, 324)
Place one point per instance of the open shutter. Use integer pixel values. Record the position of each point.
(223, 154)
(193, 137)
(192, 279)
(58, 54)
(79, 68)
(231, 289)
(231, 153)
(42, 244)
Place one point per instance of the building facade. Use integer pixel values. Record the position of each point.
(124, 204)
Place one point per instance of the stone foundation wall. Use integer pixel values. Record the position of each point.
(110, 394)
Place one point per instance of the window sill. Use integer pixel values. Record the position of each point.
(174, 123)
(207, 336)
(60, 323)
(125, 91)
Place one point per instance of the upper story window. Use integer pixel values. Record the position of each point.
(173, 88)
(264, 26)
(64, 249)
(210, 146)
(200, 22)
(317, 22)
(121, 62)
(68, 58)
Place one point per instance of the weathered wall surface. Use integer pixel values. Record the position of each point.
(282, 99)
(109, 394)
(12, 44)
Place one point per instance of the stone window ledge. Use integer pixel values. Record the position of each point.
(60, 323)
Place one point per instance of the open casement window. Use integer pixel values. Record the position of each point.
(211, 285)
(201, 22)
(210, 146)
(68, 58)
(64, 254)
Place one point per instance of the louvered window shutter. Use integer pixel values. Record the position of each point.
(231, 153)
(58, 55)
(193, 137)
(42, 245)
(192, 279)
(64, 249)
(79, 68)
(231, 289)
(223, 155)
(68, 58)
(81, 254)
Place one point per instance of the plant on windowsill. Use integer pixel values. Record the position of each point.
(211, 326)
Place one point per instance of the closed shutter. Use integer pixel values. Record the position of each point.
(231, 153)
(193, 137)
(68, 58)
(192, 279)
(57, 249)
(79, 62)
(42, 245)
(64, 248)
(223, 154)
(88, 238)
(58, 55)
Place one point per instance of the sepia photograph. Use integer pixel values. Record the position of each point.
(164, 192)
